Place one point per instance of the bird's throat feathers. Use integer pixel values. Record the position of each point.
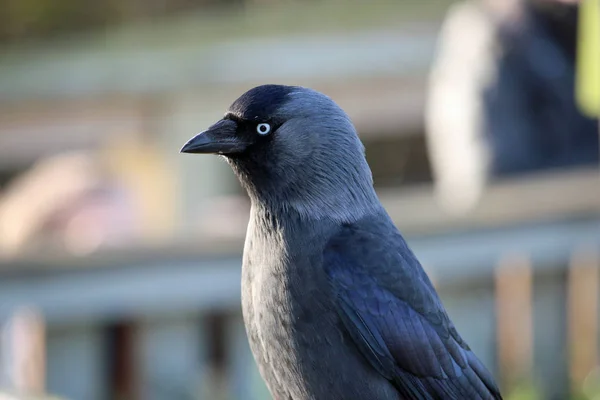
(342, 198)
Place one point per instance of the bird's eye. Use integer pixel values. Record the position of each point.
(263, 129)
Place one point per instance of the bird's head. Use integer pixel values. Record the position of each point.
(293, 147)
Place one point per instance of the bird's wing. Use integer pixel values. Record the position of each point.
(393, 314)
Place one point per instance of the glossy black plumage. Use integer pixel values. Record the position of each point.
(260, 103)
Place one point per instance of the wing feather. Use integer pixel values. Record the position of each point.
(394, 316)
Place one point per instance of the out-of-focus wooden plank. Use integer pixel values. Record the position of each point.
(584, 279)
(557, 197)
(24, 352)
(539, 197)
(514, 285)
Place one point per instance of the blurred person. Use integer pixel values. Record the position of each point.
(68, 201)
(501, 99)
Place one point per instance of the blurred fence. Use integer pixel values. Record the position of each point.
(521, 286)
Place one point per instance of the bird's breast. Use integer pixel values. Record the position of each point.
(288, 317)
(293, 327)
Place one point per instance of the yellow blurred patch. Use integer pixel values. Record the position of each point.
(587, 89)
(143, 169)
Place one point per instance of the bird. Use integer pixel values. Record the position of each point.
(335, 303)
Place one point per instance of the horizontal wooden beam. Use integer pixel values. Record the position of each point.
(184, 279)
(552, 205)
(534, 198)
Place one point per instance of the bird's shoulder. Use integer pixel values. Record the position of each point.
(394, 315)
(371, 252)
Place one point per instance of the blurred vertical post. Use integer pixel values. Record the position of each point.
(23, 352)
(514, 319)
(583, 314)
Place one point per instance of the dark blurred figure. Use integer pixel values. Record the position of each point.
(516, 83)
(532, 121)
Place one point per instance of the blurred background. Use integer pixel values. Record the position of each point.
(120, 258)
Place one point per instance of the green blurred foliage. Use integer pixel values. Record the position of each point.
(590, 389)
(33, 19)
(524, 391)
(529, 390)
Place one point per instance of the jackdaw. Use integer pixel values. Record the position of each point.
(336, 306)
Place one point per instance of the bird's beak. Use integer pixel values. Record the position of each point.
(220, 138)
